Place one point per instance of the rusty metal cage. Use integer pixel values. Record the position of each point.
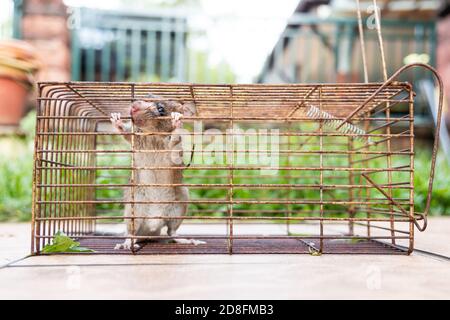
(330, 191)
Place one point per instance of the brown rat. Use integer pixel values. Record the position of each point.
(146, 118)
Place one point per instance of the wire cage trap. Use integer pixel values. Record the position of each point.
(317, 168)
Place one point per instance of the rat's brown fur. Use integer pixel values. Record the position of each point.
(145, 118)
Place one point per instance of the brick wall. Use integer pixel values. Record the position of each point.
(44, 25)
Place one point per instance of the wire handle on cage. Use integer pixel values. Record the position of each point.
(395, 203)
(422, 215)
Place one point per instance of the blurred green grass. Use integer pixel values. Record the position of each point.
(16, 182)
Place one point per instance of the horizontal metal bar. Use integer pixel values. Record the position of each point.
(219, 218)
(235, 237)
(224, 201)
(146, 85)
(294, 151)
(193, 167)
(229, 133)
(225, 185)
(223, 118)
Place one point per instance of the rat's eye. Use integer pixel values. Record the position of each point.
(161, 109)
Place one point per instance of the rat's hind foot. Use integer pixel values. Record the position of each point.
(189, 241)
(126, 245)
(176, 119)
(117, 122)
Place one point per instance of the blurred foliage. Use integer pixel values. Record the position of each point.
(16, 181)
(16, 167)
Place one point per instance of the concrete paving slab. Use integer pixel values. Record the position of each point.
(224, 276)
(436, 238)
(15, 241)
(227, 277)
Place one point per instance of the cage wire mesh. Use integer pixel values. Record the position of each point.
(332, 188)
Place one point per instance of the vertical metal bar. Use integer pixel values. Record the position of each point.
(288, 212)
(51, 157)
(76, 176)
(411, 175)
(93, 179)
(133, 176)
(82, 191)
(64, 158)
(367, 190)
(62, 139)
(351, 182)
(96, 161)
(389, 165)
(69, 173)
(35, 212)
(45, 144)
(321, 172)
(74, 173)
(230, 161)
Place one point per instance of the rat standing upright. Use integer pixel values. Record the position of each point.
(151, 117)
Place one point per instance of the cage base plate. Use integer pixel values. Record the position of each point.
(247, 246)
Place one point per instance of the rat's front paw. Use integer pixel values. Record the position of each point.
(176, 119)
(126, 245)
(117, 121)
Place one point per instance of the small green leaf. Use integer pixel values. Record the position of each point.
(63, 243)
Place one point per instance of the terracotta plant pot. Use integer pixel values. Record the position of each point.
(18, 65)
(13, 97)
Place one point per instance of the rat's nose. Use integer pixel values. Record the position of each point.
(135, 107)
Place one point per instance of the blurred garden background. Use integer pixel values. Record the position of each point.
(211, 41)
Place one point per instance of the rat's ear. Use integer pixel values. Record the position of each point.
(188, 109)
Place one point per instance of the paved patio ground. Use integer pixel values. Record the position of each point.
(418, 276)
